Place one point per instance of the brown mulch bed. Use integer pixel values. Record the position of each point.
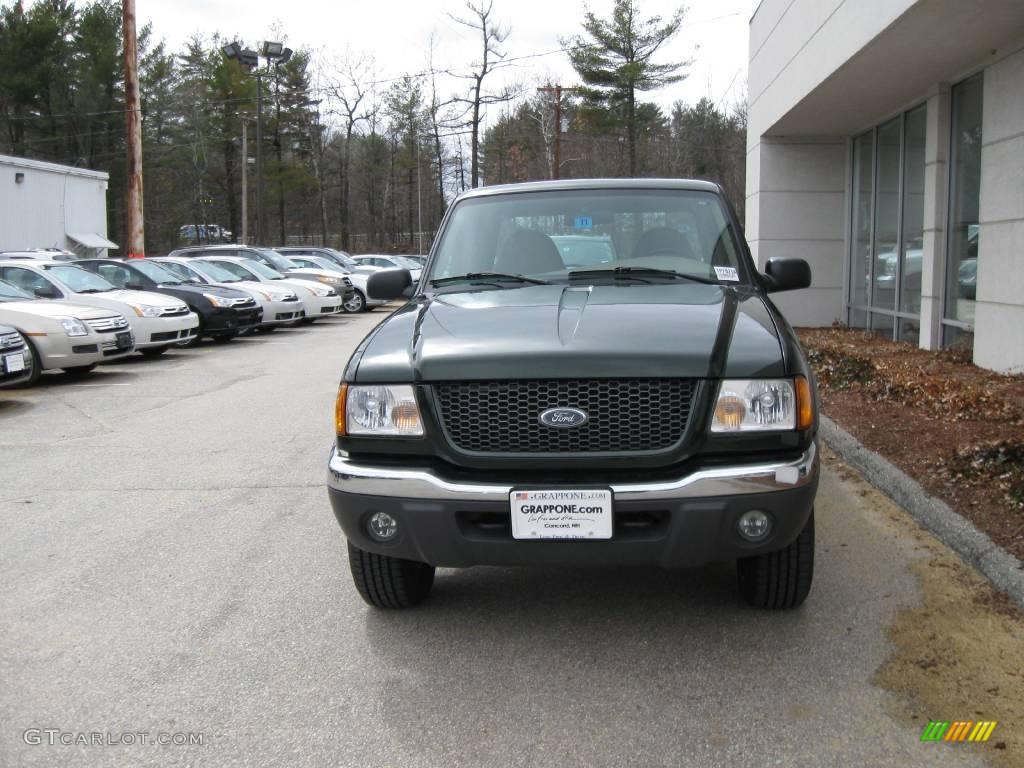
(955, 428)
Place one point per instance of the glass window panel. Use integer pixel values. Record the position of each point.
(858, 318)
(962, 263)
(882, 324)
(913, 211)
(860, 261)
(887, 206)
(910, 331)
(957, 338)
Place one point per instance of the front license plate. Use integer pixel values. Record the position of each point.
(14, 363)
(570, 514)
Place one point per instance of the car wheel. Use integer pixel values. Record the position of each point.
(153, 351)
(356, 304)
(389, 582)
(37, 365)
(780, 580)
(79, 370)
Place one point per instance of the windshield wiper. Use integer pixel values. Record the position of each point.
(638, 273)
(94, 290)
(490, 277)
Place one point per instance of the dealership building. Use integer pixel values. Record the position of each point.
(886, 147)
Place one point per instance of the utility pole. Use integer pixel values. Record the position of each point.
(556, 165)
(135, 248)
(259, 157)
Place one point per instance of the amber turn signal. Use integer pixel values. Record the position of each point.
(339, 410)
(804, 404)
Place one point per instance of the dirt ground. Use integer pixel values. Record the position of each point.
(955, 428)
(959, 655)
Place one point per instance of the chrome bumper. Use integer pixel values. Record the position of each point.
(347, 476)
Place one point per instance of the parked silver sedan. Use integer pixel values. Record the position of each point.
(64, 335)
(15, 359)
(158, 321)
(281, 305)
(318, 300)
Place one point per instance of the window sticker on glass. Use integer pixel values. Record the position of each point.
(583, 222)
(727, 273)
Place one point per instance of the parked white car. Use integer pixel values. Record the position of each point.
(360, 301)
(64, 335)
(318, 300)
(391, 262)
(157, 321)
(281, 306)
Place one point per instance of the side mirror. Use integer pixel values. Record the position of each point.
(47, 292)
(388, 284)
(787, 274)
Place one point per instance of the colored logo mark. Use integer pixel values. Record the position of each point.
(958, 730)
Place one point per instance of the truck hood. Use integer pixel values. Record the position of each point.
(556, 331)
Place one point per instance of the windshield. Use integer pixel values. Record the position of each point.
(344, 259)
(155, 272)
(181, 271)
(279, 262)
(218, 273)
(551, 234)
(263, 270)
(237, 271)
(78, 280)
(10, 292)
(323, 263)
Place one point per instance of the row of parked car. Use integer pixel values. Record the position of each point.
(59, 311)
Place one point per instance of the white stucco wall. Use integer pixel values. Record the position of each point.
(798, 210)
(50, 201)
(999, 314)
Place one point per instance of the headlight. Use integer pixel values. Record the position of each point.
(218, 301)
(379, 410)
(74, 327)
(762, 405)
(146, 310)
(328, 280)
(322, 292)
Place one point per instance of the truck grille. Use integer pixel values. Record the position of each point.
(625, 415)
(9, 341)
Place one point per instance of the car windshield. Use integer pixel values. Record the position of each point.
(78, 279)
(639, 235)
(218, 273)
(344, 259)
(263, 270)
(237, 271)
(321, 262)
(185, 273)
(155, 272)
(279, 262)
(9, 292)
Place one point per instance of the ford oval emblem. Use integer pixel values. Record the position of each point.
(564, 418)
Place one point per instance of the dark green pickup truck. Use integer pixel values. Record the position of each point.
(650, 407)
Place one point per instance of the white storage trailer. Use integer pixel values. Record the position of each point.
(45, 205)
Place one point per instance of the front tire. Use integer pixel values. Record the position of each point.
(780, 580)
(37, 365)
(389, 582)
(356, 304)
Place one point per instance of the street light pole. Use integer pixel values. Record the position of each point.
(276, 54)
(245, 181)
(259, 157)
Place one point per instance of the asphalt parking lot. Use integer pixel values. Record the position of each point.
(170, 564)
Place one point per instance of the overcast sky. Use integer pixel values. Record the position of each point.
(396, 35)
